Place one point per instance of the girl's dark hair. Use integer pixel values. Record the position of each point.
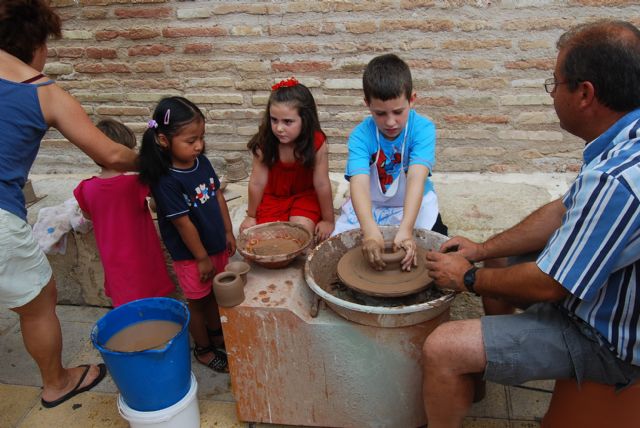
(169, 117)
(25, 25)
(265, 142)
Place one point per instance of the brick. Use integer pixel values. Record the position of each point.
(472, 25)
(477, 102)
(140, 33)
(418, 44)
(353, 117)
(208, 66)
(526, 100)
(530, 135)
(101, 53)
(62, 3)
(197, 48)
(149, 67)
(247, 131)
(110, 2)
(94, 13)
(475, 64)
(307, 6)
(71, 85)
(434, 101)
(527, 45)
(602, 3)
(363, 6)
(359, 27)
(536, 118)
(255, 48)
(95, 68)
(148, 12)
(105, 83)
(253, 85)
(462, 134)
(470, 45)
(439, 64)
(302, 48)
(150, 50)
(57, 68)
(245, 113)
(343, 84)
(302, 30)
(71, 52)
(246, 30)
(475, 118)
(210, 82)
(77, 35)
(426, 25)
(149, 97)
(161, 83)
(471, 152)
(547, 23)
(534, 63)
(301, 66)
(199, 13)
(199, 98)
(218, 128)
(104, 35)
(174, 32)
(238, 8)
(95, 96)
(260, 99)
(416, 4)
(337, 100)
(474, 83)
(123, 111)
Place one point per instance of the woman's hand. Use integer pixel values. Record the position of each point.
(408, 244)
(231, 243)
(323, 230)
(206, 269)
(247, 223)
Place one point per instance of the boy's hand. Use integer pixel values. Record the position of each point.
(231, 243)
(408, 244)
(372, 249)
(323, 230)
(206, 269)
(247, 223)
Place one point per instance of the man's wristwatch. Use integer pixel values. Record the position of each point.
(469, 280)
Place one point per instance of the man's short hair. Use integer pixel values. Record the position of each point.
(387, 77)
(607, 54)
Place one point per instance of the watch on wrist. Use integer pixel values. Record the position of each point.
(469, 280)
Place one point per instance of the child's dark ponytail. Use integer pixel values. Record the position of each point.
(169, 117)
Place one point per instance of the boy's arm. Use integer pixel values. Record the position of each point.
(257, 183)
(322, 185)
(372, 241)
(191, 239)
(416, 177)
(228, 226)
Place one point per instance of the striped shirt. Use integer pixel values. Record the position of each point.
(595, 254)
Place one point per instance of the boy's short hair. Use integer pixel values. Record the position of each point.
(118, 132)
(387, 77)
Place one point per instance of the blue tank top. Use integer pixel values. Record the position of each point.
(22, 127)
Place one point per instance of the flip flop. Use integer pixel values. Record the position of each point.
(77, 390)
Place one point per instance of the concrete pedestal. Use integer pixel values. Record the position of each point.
(289, 368)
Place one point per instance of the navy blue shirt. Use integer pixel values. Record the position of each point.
(190, 192)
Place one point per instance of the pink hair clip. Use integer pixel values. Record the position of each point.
(286, 83)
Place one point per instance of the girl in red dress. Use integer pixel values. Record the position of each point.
(290, 174)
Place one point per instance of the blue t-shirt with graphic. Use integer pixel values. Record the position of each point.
(419, 149)
(190, 192)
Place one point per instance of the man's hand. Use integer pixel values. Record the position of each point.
(408, 244)
(372, 249)
(447, 270)
(470, 250)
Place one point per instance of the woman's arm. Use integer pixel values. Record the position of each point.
(322, 185)
(257, 183)
(191, 239)
(228, 226)
(64, 113)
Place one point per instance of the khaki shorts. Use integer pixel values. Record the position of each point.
(24, 269)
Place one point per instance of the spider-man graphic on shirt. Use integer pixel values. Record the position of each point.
(387, 167)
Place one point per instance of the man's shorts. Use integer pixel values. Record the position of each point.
(189, 276)
(544, 342)
(24, 268)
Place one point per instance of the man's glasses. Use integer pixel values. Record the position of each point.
(551, 83)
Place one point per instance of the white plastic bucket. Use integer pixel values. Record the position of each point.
(183, 414)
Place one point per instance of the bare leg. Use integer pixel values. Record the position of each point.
(452, 354)
(491, 305)
(305, 222)
(212, 318)
(42, 338)
(198, 327)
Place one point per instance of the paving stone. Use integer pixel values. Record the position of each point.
(528, 404)
(16, 402)
(219, 414)
(494, 404)
(485, 423)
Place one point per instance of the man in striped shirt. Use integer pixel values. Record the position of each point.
(582, 294)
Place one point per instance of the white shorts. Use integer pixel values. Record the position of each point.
(24, 268)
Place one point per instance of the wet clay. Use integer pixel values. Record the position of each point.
(144, 335)
(275, 246)
(355, 272)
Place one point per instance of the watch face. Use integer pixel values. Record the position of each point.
(470, 277)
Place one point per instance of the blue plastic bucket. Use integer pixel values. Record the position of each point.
(153, 379)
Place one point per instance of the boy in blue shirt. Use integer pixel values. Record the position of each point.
(391, 155)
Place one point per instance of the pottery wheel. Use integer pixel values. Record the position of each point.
(356, 273)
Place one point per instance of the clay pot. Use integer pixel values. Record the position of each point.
(228, 289)
(392, 258)
(236, 169)
(241, 268)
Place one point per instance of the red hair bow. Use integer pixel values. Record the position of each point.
(286, 83)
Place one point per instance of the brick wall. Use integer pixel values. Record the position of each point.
(478, 67)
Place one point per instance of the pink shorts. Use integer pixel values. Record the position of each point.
(189, 277)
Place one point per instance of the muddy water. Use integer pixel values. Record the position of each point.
(273, 247)
(144, 335)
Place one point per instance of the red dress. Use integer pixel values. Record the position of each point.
(290, 191)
